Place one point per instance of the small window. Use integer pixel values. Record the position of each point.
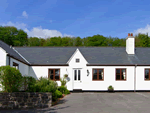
(15, 65)
(54, 74)
(120, 74)
(98, 74)
(147, 74)
(77, 60)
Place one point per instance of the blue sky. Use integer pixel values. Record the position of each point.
(82, 18)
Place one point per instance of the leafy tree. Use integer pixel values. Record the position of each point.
(66, 41)
(78, 41)
(33, 41)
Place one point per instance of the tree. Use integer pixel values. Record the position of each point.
(12, 36)
(78, 41)
(66, 41)
(33, 41)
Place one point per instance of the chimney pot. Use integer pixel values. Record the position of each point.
(128, 34)
(131, 34)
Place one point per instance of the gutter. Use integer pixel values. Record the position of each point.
(135, 78)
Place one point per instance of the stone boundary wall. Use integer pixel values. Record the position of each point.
(25, 100)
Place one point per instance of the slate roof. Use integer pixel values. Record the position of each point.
(93, 55)
(11, 52)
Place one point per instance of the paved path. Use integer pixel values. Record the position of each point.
(97, 103)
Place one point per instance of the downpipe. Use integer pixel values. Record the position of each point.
(135, 78)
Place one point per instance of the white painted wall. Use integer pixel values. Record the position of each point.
(23, 68)
(130, 45)
(142, 84)
(110, 79)
(42, 71)
(2, 57)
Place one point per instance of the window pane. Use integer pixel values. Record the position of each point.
(75, 74)
(123, 74)
(51, 71)
(78, 74)
(95, 77)
(100, 74)
(51, 77)
(95, 71)
(147, 74)
(118, 71)
(57, 76)
(56, 71)
(117, 77)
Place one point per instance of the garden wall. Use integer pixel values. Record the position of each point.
(25, 100)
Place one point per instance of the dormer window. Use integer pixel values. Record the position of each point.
(77, 60)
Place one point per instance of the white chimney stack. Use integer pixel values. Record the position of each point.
(130, 44)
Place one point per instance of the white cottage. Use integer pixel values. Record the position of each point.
(89, 68)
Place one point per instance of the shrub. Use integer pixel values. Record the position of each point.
(63, 90)
(110, 88)
(63, 81)
(58, 93)
(28, 83)
(10, 79)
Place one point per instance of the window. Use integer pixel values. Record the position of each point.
(98, 74)
(147, 74)
(120, 74)
(77, 60)
(16, 65)
(54, 74)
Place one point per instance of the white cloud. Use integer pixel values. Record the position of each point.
(24, 14)
(43, 33)
(144, 30)
(36, 31)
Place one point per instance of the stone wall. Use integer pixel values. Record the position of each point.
(25, 100)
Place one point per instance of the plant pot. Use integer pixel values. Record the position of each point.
(110, 90)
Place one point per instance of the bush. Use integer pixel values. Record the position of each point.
(110, 88)
(45, 85)
(63, 90)
(58, 93)
(28, 83)
(10, 79)
(63, 81)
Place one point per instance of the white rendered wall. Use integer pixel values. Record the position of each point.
(2, 57)
(42, 71)
(23, 68)
(110, 79)
(142, 84)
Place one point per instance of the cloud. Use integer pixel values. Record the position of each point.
(43, 33)
(36, 31)
(144, 30)
(24, 14)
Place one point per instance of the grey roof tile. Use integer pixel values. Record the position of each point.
(11, 52)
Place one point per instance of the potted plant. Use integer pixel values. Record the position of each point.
(110, 89)
(66, 75)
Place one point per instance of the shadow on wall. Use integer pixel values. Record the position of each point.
(32, 73)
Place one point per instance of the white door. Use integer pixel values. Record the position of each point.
(77, 79)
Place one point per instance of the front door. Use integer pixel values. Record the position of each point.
(77, 79)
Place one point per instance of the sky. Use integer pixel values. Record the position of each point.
(49, 18)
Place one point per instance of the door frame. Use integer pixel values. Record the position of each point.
(73, 76)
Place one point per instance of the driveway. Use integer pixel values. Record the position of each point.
(97, 103)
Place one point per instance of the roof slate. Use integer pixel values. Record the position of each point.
(11, 52)
(93, 55)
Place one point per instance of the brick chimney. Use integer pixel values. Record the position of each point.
(130, 44)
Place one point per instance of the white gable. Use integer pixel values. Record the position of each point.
(2, 57)
(77, 55)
